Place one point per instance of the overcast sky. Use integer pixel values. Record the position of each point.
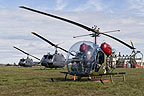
(17, 24)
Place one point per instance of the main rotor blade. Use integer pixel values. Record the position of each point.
(131, 47)
(34, 57)
(49, 42)
(57, 17)
(62, 49)
(75, 23)
(110, 31)
(21, 50)
(82, 35)
(44, 39)
(26, 53)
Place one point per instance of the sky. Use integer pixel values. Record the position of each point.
(16, 25)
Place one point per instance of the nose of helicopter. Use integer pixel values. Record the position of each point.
(43, 64)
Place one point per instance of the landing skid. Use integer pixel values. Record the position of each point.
(97, 76)
(111, 75)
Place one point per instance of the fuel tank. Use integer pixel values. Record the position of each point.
(106, 48)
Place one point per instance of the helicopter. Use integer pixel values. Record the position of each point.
(86, 58)
(28, 62)
(131, 60)
(135, 55)
(56, 60)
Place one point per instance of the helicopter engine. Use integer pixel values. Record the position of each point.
(106, 48)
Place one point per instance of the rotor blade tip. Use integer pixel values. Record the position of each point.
(130, 40)
(33, 32)
(21, 6)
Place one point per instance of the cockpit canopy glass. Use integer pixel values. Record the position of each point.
(83, 57)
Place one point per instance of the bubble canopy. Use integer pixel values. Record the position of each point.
(84, 57)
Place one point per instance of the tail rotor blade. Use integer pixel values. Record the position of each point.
(131, 43)
(133, 46)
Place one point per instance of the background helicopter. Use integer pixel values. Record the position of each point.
(56, 60)
(28, 62)
(136, 56)
(130, 61)
(89, 59)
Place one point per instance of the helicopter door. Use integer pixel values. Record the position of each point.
(99, 60)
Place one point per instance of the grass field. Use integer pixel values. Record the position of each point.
(36, 81)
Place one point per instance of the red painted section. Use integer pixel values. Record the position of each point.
(138, 65)
(124, 66)
(106, 48)
(83, 47)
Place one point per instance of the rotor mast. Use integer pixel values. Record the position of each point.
(96, 33)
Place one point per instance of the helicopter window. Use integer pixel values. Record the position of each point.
(50, 56)
(84, 47)
(99, 60)
(22, 60)
(45, 56)
(82, 60)
(85, 51)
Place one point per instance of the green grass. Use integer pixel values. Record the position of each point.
(36, 81)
